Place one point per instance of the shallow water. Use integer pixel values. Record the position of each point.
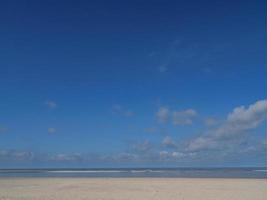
(140, 172)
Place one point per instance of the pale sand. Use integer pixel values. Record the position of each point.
(133, 189)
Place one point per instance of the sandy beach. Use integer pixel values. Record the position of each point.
(132, 189)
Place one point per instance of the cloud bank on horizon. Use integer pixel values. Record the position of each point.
(232, 137)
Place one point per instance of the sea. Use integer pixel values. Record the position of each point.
(259, 173)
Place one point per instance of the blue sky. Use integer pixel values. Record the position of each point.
(133, 83)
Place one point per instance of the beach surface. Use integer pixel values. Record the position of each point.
(132, 189)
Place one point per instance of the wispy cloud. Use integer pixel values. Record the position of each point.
(50, 104)
(16, 155)
(174, 155)
(151, 130)
(163, 68)
(51, 130)
(120, 110)
(169, 142)
(142, 147)
(183, 52)
(163, 114)
(183, 117)
(201, 143)
(210, 121)
(67, 158)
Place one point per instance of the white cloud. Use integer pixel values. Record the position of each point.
(201, 143)
(51, 104)
(174, 155)
(238, 123)
(218, 141)
(169, 142)
(242, 120)
(16, 155)
(178, 155)
(184, 117)
(163, 114)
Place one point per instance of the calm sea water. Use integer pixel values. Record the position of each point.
(140, 172)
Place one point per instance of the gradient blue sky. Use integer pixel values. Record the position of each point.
(133, 83)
